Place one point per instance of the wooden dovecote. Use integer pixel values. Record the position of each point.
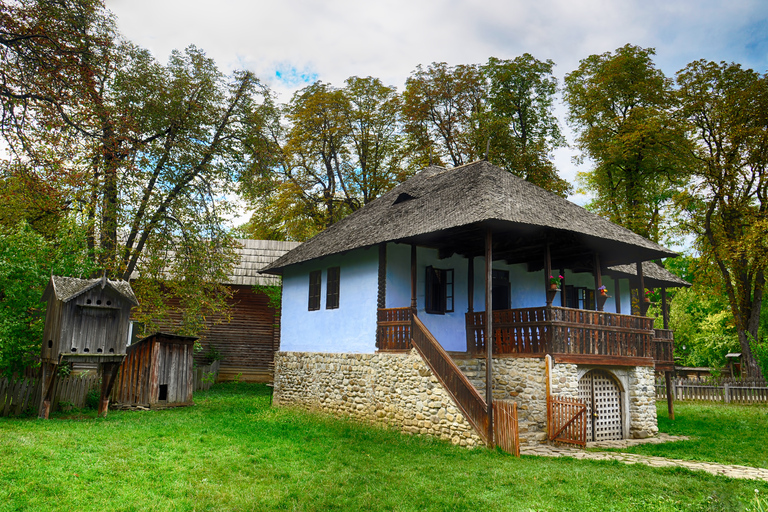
(87, 320)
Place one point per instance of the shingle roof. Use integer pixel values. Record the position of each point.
(67, 288)
(654, 275)
(454, 200)
(254, 256)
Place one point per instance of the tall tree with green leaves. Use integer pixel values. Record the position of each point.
(441, 109)
(520, 122)
(336, 150)
(622, 108)
(726, 205)
(143, 152)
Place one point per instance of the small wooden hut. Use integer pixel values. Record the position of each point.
(157, 373)
(87, 321)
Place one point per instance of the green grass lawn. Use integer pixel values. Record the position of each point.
(726, 434)
(232, 451)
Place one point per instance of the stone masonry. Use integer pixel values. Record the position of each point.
(397, 390)
(400, 391)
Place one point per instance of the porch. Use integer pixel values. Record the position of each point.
(569, 335)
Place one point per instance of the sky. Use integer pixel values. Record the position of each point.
(292, 43)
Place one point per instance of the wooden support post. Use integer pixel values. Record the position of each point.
(617, 295)
(489, 341)
(471, 284)
(413, 279)
(670, 395)
(664, 309)
(547, 274)
(598, 282)
(641, 290)
(562, 290)
(108, 376)
(47, 385)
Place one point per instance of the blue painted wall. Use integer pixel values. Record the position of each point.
(349, 329)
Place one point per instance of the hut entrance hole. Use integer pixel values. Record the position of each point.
(163, 392)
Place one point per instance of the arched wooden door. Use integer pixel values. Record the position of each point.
(602, 394)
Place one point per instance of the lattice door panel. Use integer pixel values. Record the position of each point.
(585, 395)
(603, 398)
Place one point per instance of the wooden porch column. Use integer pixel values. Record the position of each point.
(413, 279)
(547, 273)
(598, 282)
(489, 332)
(664, 310)
(641, 289)
(562, 291)
(617, 295)
(471, 284)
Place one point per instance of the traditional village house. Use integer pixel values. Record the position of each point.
(417, 267)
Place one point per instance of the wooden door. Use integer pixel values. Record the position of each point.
(601, 393)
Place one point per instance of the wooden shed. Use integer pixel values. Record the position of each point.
(87, 321)
(156, 373)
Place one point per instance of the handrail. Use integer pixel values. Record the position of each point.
(451, 377)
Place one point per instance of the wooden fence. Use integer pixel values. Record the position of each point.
(20, 395)
(506, 431)
(566, 420)
(728, 391)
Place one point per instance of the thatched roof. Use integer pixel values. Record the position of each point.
(67, 288)
(254, 256)
(449, 209)
(654, 275)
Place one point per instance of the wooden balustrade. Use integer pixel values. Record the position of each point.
(573, 334)
(393, 331)
(451, 377)
(663, 341)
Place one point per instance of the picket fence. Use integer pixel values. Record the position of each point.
(727, 391)
(22, 395)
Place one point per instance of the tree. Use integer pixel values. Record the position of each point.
(522, 127)
(336, 150)
(442, 106)
(27, 261)
(622, 107)
(726, 206)
(145, 152)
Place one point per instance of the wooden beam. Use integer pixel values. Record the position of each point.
(670, 395)
(413, 279)
(598, 281)
(471, 284)
(664, 309)
(547, 273)
(617, 294)
(600, 359)
(489, 332)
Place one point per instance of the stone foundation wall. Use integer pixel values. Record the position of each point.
(642, 403)
(397, 390)
(400, 391)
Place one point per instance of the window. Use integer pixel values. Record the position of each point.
(439, 291)
(332, 293)
(314, 289)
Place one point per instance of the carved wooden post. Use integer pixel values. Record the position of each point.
(469, 323)
(413, 279)
(598, 283)
(489, 332)
(664, 309)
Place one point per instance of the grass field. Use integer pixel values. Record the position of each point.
(726, 434)
(232, 451)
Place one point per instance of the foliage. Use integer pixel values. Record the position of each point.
(726, 206)
(142, 152)
(622, 108)
(93, 397)
(303, 461)
(273, 292)
(27, 261)
(333, 150)
(521, 125)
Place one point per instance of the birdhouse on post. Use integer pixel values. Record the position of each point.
(87, 320)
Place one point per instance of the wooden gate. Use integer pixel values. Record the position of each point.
(602, 396)
(505, 427)
(566, 420)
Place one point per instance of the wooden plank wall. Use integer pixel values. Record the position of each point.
(248, 342)
(175, 371)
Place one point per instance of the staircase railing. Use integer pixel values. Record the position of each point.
(450, 376)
